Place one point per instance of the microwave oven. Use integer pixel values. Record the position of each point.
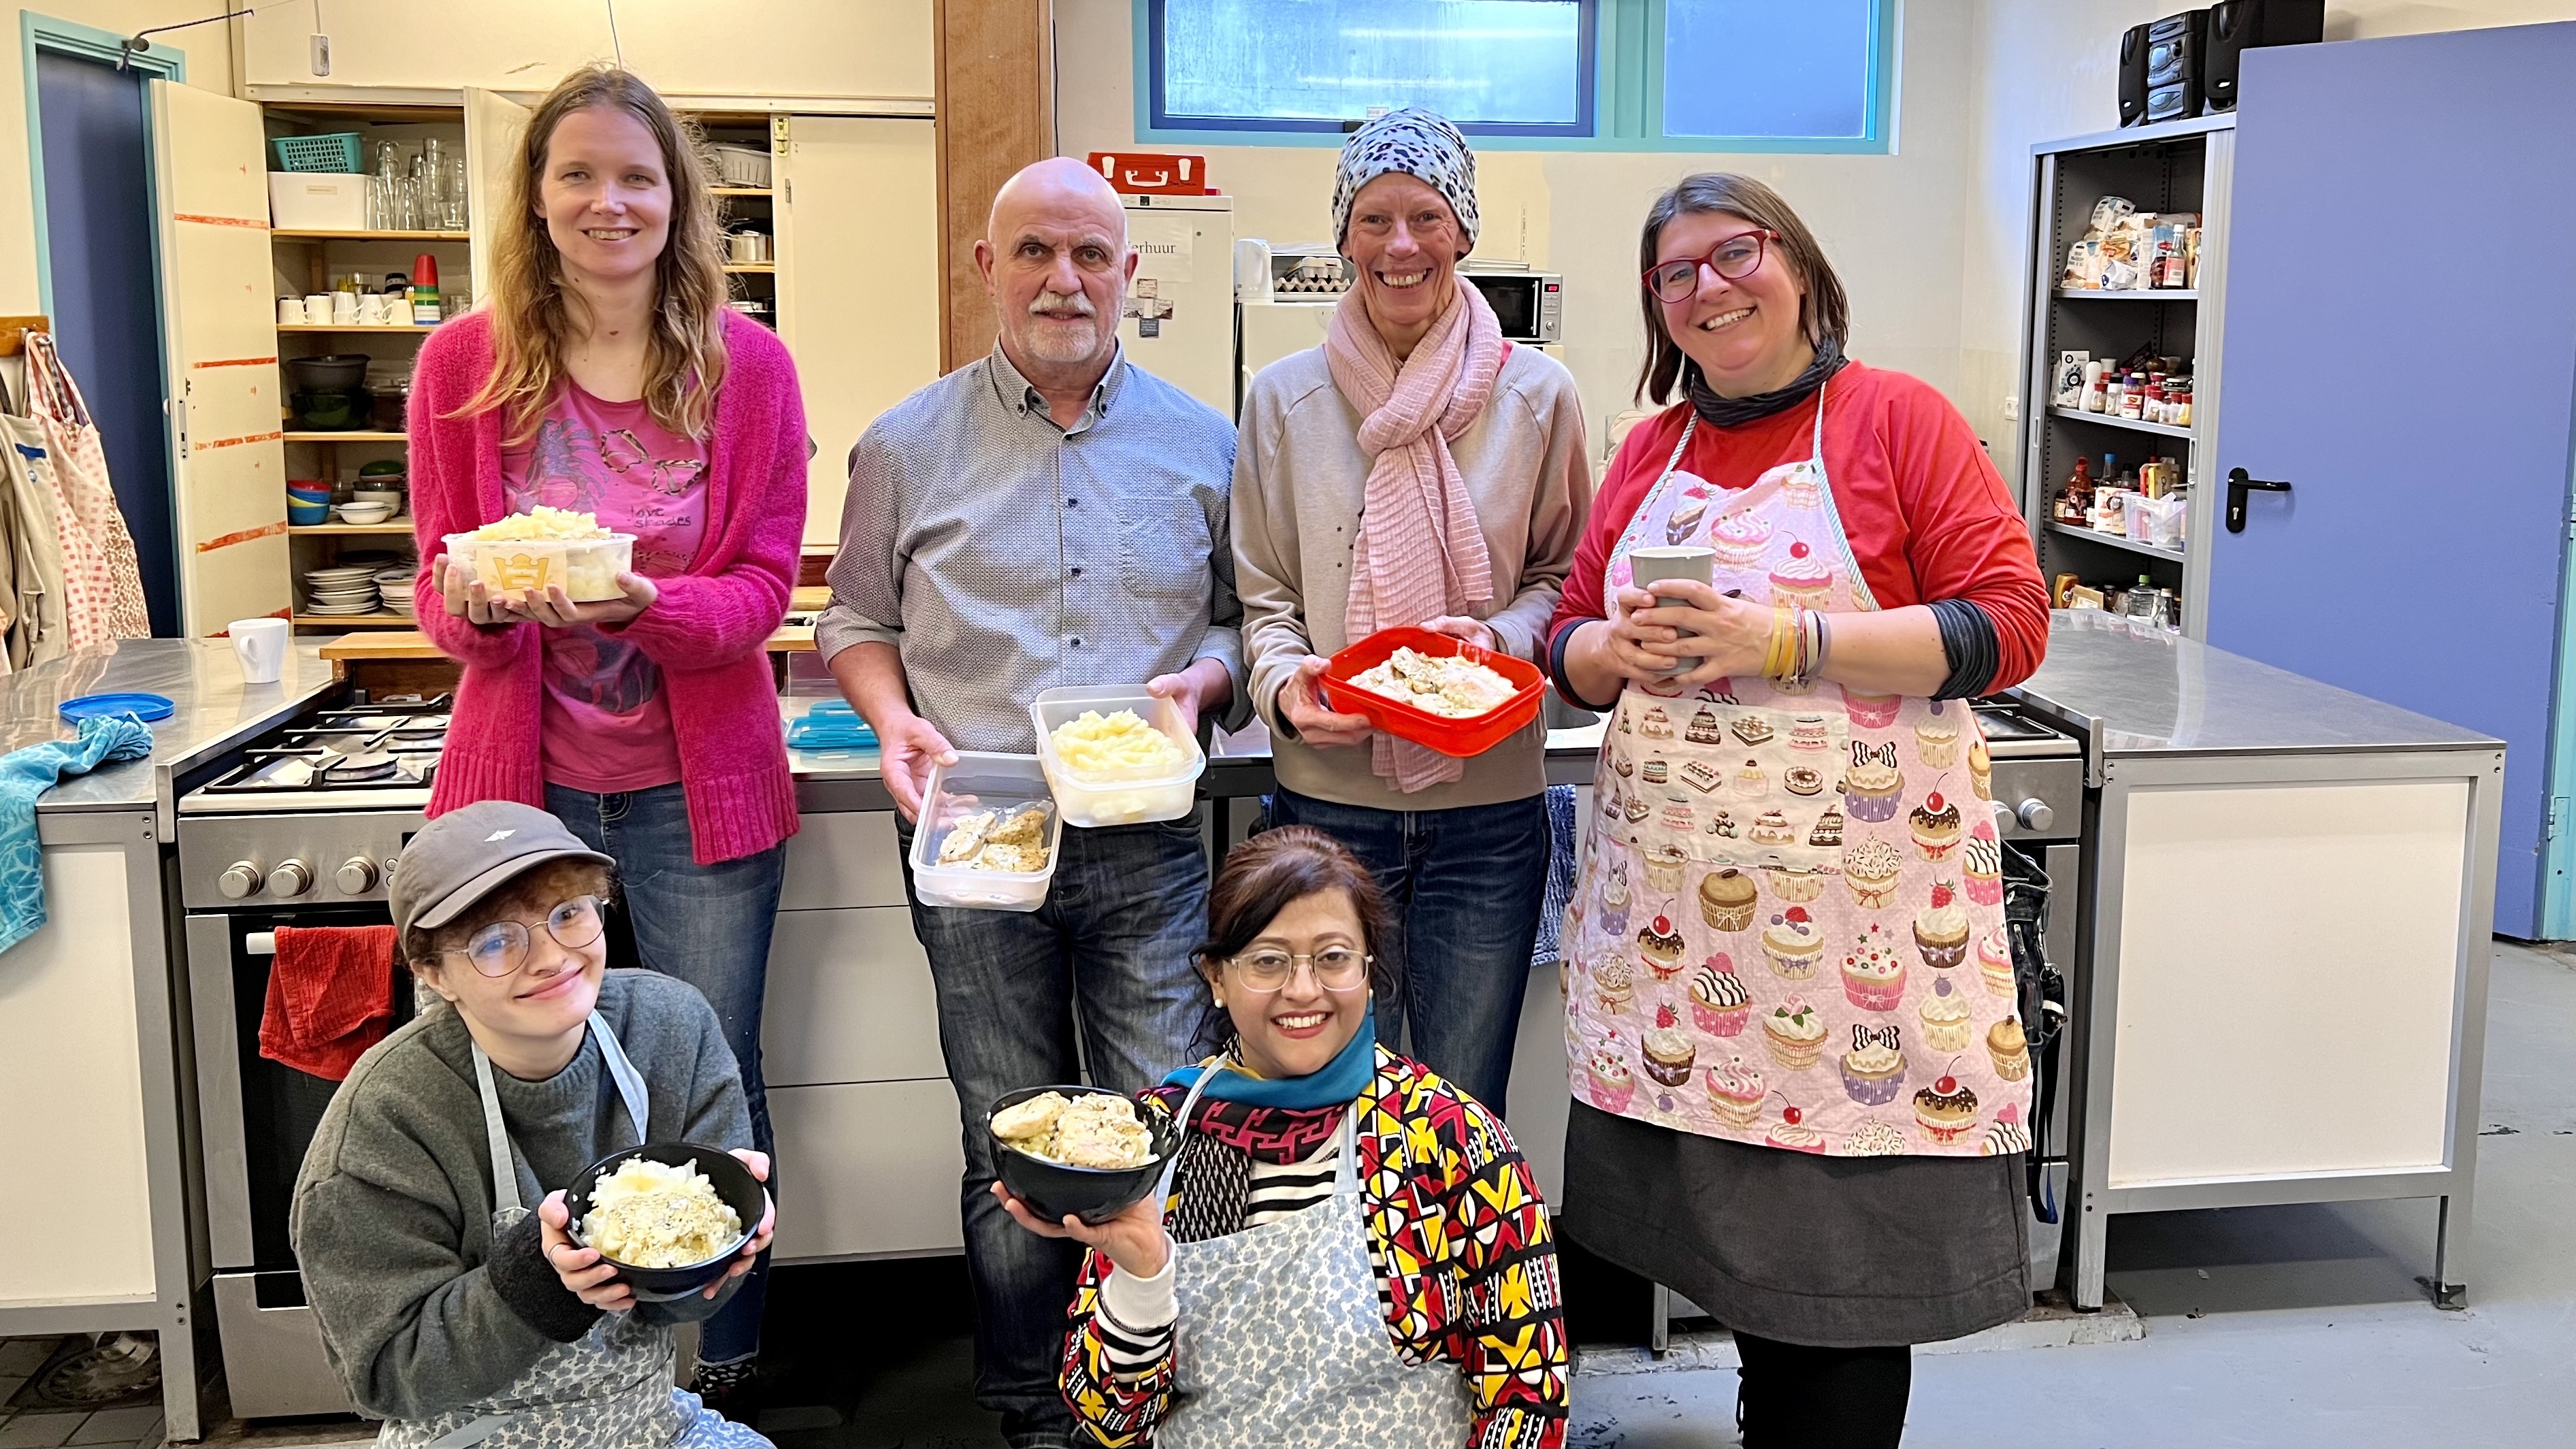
(1529, 305)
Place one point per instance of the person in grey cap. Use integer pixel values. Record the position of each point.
(450, 1310)
(1416, 469)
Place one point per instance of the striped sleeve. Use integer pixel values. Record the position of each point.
(1117, 1378)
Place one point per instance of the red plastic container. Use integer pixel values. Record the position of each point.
(1153, 173)
(1464, 738)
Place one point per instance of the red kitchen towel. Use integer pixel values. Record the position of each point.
(330, 995)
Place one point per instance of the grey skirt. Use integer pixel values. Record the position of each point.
(1834, 1252)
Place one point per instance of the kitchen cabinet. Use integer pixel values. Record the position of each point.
(858, 281)
(867, 1170)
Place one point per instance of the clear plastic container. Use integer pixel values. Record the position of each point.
(586, 567)
(1089, 801)
(976, 782)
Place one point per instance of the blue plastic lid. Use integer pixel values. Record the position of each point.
(146, 707)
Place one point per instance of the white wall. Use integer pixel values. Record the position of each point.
(1892, 224)
(2045, 69)
(209, 65)
(772, 48)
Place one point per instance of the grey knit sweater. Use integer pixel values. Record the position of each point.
(421, 1311)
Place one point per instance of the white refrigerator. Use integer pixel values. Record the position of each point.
(1178, 320)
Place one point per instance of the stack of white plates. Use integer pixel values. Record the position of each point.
(341, 589)
(395, 584)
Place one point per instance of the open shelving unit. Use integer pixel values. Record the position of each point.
(2177, 166)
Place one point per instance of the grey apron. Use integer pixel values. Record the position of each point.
(1281, 1339)
(607, 1390)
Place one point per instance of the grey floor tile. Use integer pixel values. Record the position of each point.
(39, 1431)
(120, 1427)
(23, 1356)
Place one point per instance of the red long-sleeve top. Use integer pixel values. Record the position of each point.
(1927, 514)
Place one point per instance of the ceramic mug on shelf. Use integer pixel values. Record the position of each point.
(290, 311)
(371, 309)
(344, 309)
(260, 645)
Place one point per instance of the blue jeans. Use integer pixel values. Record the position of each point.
(708, 925)
(1113, 940)
(1465, 887)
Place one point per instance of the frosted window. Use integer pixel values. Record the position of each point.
(1765, 68)
(1257, 63)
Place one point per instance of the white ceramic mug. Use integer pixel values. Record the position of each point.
(290, 311)
(371, 309)
(344, 309)
(317, 309)
(260, 645)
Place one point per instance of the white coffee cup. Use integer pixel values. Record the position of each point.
(317, 309)
(290, 311)
(260, 645)
(344, 309)
(371, 310)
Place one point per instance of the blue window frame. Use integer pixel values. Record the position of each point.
(1599, 75)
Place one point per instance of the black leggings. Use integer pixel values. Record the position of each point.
(1791, 1396)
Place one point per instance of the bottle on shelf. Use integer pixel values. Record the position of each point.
(2133, 399)
(2094, 385)
(2075, 500)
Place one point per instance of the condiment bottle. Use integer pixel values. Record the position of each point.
(2114, 388)
(2182, 406)
(2094, 375)
(2133, 398)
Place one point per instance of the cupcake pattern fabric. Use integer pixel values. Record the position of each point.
(1787, 926)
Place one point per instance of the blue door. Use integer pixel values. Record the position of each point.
(2400, 349)
(105, 298)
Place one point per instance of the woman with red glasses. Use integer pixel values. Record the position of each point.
(1801, 1086)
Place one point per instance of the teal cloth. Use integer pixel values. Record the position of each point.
(28, 773)
(1340, 1080)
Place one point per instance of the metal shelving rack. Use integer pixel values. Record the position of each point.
(2177, 166)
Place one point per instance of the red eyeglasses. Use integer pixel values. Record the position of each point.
(1735, 258)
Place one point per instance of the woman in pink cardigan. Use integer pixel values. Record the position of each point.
(607, 377)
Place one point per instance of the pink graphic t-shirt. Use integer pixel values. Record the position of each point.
(607, 728)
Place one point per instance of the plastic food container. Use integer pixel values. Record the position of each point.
(1090, 801)
(980, 781)
(1460, 737)
(586, 567)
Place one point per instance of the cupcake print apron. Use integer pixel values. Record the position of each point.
(1787, 926)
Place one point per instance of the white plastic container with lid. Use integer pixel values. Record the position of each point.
(586, 567)
(980, 781)
(1089, 801)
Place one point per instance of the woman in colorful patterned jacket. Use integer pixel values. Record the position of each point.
(1330, 1201)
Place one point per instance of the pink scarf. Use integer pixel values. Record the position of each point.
(1420, 553)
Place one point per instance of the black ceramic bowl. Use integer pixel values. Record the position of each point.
(733, 1182)
(1052, 1189)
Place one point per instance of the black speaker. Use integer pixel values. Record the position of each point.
(2133, 76)
(2237, 26)
(2174, 46)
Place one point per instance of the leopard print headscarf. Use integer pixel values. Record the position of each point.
(1419, 144)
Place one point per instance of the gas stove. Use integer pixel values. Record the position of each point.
(2038, 774)
(315, 813)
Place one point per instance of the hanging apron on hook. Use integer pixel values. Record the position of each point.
(102, 582)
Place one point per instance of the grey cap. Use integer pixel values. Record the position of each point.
(468, 853)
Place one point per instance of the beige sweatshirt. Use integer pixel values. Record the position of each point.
(1299, 475)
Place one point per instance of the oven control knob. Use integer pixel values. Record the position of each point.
(240, 880)
(2035, 815)
(356, 876)
(293, 878)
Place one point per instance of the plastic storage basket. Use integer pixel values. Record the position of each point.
(1460, 737)
(1089, 802)
(319, 153)
(981, 781)
(741, 165)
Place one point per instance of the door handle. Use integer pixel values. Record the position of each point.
(2238, 485)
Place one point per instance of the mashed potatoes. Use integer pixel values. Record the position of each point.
(542, 522)
(1445, 685)
(1093, 1130)
(1121, 746)
(650, 1214)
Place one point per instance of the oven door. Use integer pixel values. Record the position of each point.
(258, 1117)
(1527, 305)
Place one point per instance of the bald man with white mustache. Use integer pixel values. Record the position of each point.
(1048, 516)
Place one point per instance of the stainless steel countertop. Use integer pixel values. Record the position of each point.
(2146, 691)
(216, 711)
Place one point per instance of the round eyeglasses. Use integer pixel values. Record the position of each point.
(501, 948)
(1735, 258)
(1336, 968)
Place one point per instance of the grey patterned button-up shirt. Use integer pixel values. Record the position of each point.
(1004, 555)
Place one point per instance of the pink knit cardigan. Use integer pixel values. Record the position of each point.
(707, 630)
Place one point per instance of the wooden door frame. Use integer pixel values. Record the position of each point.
(995, 104)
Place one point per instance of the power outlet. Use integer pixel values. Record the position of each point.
(2012, 407)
